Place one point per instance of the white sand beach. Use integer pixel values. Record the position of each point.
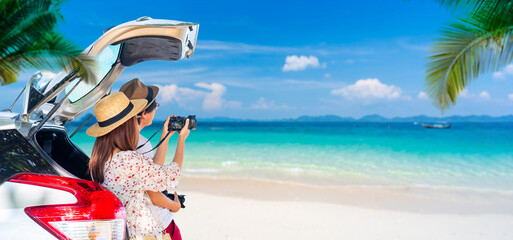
(249, 209)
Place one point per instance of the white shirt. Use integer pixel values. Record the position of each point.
(147, 147)
(165, 214)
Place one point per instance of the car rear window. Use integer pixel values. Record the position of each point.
(105, 59)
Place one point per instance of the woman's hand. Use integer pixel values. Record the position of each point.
(165, 129)
(184, 133)
(177, 203)
(177, 200)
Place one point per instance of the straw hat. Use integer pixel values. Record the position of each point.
(135, 89)
(112, 111)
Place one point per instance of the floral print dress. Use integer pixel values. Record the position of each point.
(129, 175)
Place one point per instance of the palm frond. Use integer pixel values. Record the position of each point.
(464, 52)
(54, 52)
(26, 21)
(31, 41)
(27, 32)
(475, 5)
(479, 43)
(497, 11)
(8, 75)
(491, 16)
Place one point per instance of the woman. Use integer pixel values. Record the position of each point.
(135, 89)
(115, 164)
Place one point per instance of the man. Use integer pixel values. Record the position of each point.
(135, 89)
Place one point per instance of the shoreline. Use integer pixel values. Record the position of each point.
(287, 176)
(407, 199)
(221, 208)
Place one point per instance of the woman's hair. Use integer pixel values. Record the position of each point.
(150, 108)
(125, 137)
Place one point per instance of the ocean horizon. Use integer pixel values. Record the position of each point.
(468, 156)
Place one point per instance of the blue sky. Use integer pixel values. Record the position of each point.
(281, 59)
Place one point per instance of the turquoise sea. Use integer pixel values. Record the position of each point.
(475, 156)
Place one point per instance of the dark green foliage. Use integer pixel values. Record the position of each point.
(28, 39)
(475, 44)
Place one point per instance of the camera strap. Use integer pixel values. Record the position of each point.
(140, 146)
(158, 144)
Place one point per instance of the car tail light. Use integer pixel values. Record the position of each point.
(97, 214)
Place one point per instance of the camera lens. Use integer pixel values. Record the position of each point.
(192, 121)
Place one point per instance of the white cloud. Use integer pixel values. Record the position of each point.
(485, 95)
(327, 75)
(168, 93)
(211, 100)
(268, 105)
(214, 99)
(464, 93)
(498, 75)
(369, 89)
(190, 94)
(298, 63)
(422, 96)
(262, 104)
(349, 61)
(506, 71)
(510, 97)
(182, 96)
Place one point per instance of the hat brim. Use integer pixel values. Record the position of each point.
(96, 131)
(155, 93)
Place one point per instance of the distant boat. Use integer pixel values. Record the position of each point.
(436, 125)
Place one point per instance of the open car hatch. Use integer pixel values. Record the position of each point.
(119, 47)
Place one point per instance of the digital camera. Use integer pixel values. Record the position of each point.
(177, 123)
(171, 196)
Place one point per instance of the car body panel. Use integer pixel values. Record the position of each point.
(141, 40)
(22, 141)
(15, 197)
(7, 120)
(16, 225)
